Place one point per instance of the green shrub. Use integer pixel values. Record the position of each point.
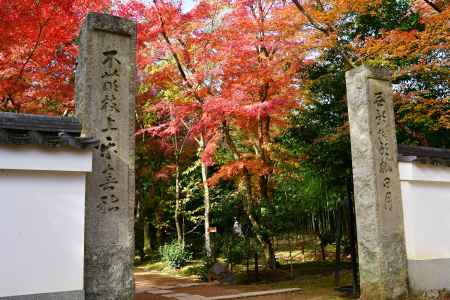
(236, 253)
(175, 254)
(203, 268)
(200, 269)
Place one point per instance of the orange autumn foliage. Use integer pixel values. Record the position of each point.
(37, 52)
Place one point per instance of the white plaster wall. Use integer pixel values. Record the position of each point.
(426, 205)
(40, 158)
(41, 220)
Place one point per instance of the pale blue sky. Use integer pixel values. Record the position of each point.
(188, 5)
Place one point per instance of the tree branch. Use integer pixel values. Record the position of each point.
(434, 6)
(175, 55)
(309, 17)
(229, 140)
(326, 31)
(33, 50)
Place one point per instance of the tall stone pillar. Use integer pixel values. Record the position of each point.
(379, 214)
(105, 95)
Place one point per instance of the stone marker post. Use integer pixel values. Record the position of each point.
(379, 213)
(105, 95)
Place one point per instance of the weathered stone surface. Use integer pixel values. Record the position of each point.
(112, 24)
(379, 213)
(221, 273)
(105, 94)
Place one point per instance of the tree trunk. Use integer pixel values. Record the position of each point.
(247, 260)
(291, 265)
(158, 233)
(269, 254)
(269, 251)
(207, 205)
(147, 241)
(353, 237)
(206, 202)
(302, 246)
(256, 265)
(337, 273)
(177, 205)
(265, 241)
(322, 251)
(183, 223)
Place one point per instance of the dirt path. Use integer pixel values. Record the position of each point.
(154, 286)
(145, 282)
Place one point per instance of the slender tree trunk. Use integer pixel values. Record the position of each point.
(247, 259)
(183, 223)
(207, 205)
(266, 242)
(147, 240)
(353, 237)
(247, 266)
(291, 265)
(302, 246)
(177, 205)
(322, 250)
(139, 225)
(269, 251)
(256, 266)
(206, 202)
(158, 228)
(337, 273)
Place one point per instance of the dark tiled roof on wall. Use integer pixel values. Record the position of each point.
(23, 129)
(426, 155)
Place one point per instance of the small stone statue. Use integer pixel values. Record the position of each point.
(237, 228)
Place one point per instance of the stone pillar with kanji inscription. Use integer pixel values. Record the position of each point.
(105, 104)
(379, 213)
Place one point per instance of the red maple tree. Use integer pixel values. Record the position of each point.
(38, 53)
